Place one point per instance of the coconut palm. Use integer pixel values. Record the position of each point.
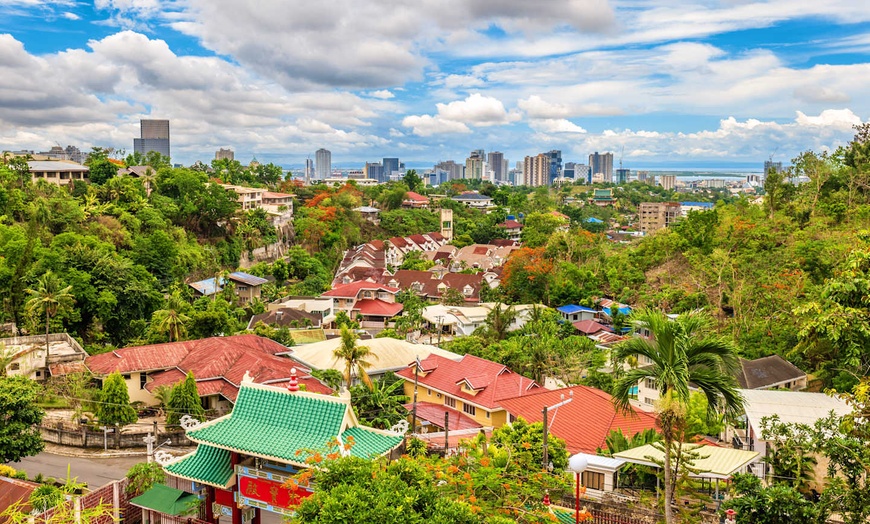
(354, 356)
(48, 297)
(682, 352)
(171, 319)
(499, 320)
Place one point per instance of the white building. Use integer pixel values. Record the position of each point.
(323, 166)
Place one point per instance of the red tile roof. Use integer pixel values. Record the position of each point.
(511, 224)
(434, 414)
(495, 380)
(583, 423)
(416, 197)
(590, 326)
(378, 308)
(140, 358)
(352, 290)
(398, 242)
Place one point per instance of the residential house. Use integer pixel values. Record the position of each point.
(247, 287)
(387, 355)
(279, 207)
(372, 214)
(415, 201)
(286, 317)
(513, 229)
(432, 285)
(471, 389)
(481, 256)
(474, 199)
(247, 197)
(460, 321)
(57, 172)
(373, 305)
(657, 215)
(321, 307)
(27, 356)
(145, 173)
(773, 372)
(574, 313)
(217, 363)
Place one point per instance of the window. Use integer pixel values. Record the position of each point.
(450, 402)
(142, 379)
(126, 377)
(39, 374)
(468, 408)
(593, 480)
(487, 414)
(650, 383)
(648, 401)
(15, 366)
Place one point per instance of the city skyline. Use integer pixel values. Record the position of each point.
(693, 84)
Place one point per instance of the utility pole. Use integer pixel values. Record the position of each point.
(446, 431)
(416, 375)
(546, 430)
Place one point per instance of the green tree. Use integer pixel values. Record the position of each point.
(19, 418)
(100, 170)
(525, 442)
(184, 400)
(114, 402)
(412, 179)
(452, 297)
(777, 504)
(355, 357)
(142, 476)
(682, 352)
(49, 297)
(380, 406)
(498, 321)
(538, 228)
(172, 319)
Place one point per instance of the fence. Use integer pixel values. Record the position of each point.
(112, 494)
(87, 438)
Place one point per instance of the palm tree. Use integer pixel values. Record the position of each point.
(499, 320)
(171, 320)
(354, 357)
(49, 298)
(682, 352)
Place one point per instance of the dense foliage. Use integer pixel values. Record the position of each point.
(19, 418)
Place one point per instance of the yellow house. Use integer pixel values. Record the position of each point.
(468, 391)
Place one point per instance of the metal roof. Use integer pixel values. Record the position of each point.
(796, 407)
(713, 462)
(55, 165)
(570, 309)
(248, 279)
(599, 462)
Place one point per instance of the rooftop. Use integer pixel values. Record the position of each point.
(55, 165)
(767, 372)
(713, 462)
(790, 406)
(391, 354)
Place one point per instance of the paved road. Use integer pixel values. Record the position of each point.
(95, 471)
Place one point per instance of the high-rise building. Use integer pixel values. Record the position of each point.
(536, 170)
(375, 171)
(568, 171)
(622, 175)
(497, 164)
(657, 215)
(770, 164)
(602, 163)
(642, 176)
(582, 172)
(555, 167)
(391, 166)
(153, 136)
(309, 170)
(474, 165)
(323, 165)
(452, 170)
(669, 182)
(224, 154)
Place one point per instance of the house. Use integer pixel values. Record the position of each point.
(217, 363)
(372, 214)
(513, 229)
(575, 313)
(247, 197)
(321, 307)
(57, 172)
(244, 460)
(415, 200)
(373, 305)
(471, 387)
(146, 173)
(773, 372)
(247, 287)
(279, 207)
(580, 415)
(481, 256)
(286, 317)
(388, 355)
(27, 356)
(474, 199)
(432, 285)
(15, 491)
(461, 321)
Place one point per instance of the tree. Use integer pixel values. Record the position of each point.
(100, 170)
(774, 190)
(114, 404)
(682, 352)
(142, 477)
(380, 406)
(171, 320)
(19, 418)
(49, 298)
(355, 357)
(412, 179)
(777, 504)
(526, 443)
(499, 321)
(538, 228)
(184, 400)
(452, 297)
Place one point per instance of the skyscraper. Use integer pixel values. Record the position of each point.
(474, 165)
(391, 165)
(374, 171)
(153, 136)
(323, 163)
(668, 182)
(622, 175)
(555, 167)
(602, 164)
(309, 170)
(536, 170)
(497, 164)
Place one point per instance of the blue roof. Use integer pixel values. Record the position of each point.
(709, 205)
(593, 220)
(570, 309)
(625, 310)
(207, 287)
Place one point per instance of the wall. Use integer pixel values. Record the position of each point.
(86, 438)
(496, 419)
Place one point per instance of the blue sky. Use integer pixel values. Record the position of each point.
(660, 82)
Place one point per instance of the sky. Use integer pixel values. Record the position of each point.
(657, 82)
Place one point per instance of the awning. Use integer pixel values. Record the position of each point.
(712, 462)
(166, 500)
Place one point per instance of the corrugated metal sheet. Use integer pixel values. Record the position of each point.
(713, 462)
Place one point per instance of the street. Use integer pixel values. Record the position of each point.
(95, 471)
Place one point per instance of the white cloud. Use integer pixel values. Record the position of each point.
(456, 116)
(428, 125)
(71, 16)
(383, 94)
(556, 125)
(834, 118)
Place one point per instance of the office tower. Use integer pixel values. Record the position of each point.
(568, 172)
(602, 163)
(555, 167)
(391, 165)
(309, 170)
(474, 165)
(536, 170)
(323, 165)
(375, 171)
(497, 164)
(622, 175)
(454, 171)
(669, 182)
(642, 176)
(224, 154)
(153, 136)
(582, 172)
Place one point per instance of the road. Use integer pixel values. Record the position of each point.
(95, 471)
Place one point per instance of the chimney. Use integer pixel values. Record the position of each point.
(293, 385)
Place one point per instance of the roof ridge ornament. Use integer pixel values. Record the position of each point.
(188, 423)
(293, 385)
(247, 377)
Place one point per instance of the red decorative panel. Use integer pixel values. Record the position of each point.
(271, 492)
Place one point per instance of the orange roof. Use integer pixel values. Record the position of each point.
(378, 308)
(583, 423)
(434, 414)
(415, 197)
(352, 290)
(493, 381)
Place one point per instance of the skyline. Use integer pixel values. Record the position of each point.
(705, 83)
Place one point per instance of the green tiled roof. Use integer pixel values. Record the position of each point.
(208, 465)
(166, 500)
(368, 443)
(272, 423)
